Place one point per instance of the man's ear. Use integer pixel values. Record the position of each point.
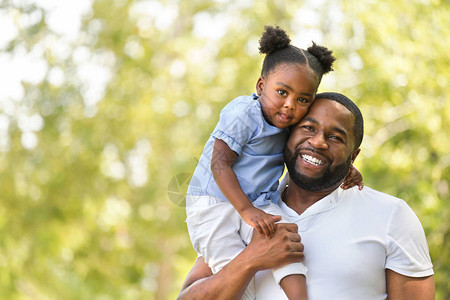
(355, 154)
(260, 85)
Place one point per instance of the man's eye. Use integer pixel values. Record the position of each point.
(281, 92)
(335, 137)
(306, 127)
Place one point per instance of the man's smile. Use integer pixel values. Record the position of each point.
(312, 160)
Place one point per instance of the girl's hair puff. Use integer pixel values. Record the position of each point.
(276, 44)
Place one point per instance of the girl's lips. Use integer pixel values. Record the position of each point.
(284, 117)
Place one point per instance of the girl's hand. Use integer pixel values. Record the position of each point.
(263, 223)
(354, 177)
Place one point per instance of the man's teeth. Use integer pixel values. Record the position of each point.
(312, 160)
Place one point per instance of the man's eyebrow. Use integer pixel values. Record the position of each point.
(291, 89)
(309, 119)
(341, 131)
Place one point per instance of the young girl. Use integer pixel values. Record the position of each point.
(243, 159)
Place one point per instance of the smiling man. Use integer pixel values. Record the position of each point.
(357, 244)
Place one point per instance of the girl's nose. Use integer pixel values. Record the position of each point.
(289, 103)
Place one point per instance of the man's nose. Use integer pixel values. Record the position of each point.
(318, 141)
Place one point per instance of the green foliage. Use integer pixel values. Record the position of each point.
(86, 213)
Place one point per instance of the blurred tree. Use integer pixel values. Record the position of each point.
(402, 85)
(102, 121)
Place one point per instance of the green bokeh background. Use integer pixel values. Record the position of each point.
(94, 210)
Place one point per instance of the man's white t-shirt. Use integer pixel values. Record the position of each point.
(350, 238)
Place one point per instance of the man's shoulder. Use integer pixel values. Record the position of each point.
(370, 206)
(372, 197)
(370, 192)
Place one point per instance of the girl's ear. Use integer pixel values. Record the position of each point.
(260, 85)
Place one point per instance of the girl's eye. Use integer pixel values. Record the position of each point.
(281, 92)
(302, 100)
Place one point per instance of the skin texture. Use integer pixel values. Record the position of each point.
(326, 134)
(230, 282)
(286, 94)
(295, 287)
(402, 287)
(316, 135)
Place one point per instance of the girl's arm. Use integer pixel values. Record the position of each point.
(221, 167)
(354, 177)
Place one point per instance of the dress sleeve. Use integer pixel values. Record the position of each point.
(407, 248)
(236, 127)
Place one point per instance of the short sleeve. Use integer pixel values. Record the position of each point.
(236, 126)
(407, 249)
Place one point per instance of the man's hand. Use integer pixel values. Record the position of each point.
(283, 248)
(263, 222)
(230, 282)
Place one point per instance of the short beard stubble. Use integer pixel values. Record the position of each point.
(329, 179)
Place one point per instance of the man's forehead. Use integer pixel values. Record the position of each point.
(327, 112)
(328, 103)
(329, 107)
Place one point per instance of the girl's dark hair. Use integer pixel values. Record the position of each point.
(276, 44)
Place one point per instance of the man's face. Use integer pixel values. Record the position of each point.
(319, 151)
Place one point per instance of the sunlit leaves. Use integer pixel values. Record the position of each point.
(100, 117)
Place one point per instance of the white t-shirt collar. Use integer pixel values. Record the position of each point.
(326, 203)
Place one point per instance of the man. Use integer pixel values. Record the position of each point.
(357, 244)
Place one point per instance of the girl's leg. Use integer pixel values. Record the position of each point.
(214, 230)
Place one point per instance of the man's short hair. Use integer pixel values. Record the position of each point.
(358, 126)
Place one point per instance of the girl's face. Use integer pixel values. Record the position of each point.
(286, 94)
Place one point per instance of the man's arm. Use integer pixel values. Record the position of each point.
(230, 282)
(401, 287)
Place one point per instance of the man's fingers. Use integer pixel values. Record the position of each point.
(297, 246)
(296, 257)
(291, 227)
(295, 237)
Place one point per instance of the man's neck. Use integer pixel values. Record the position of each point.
(299, 199)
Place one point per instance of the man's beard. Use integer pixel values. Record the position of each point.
(330, 179)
